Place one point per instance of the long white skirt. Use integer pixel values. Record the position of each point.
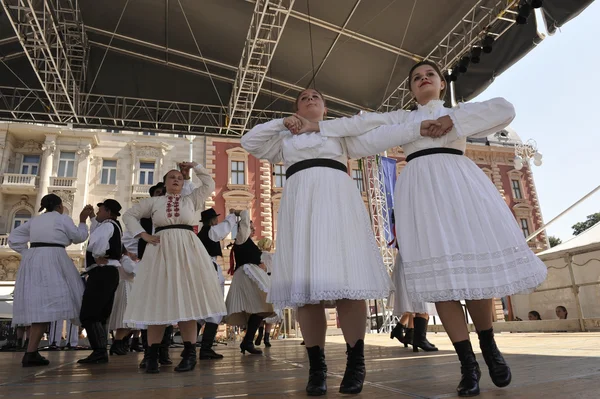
(175, 281)
(458, 238)
(248, 295)
(326, 249)
(48, 287)
(117, 314)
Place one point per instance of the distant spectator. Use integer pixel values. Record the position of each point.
(561, 312)
(534, 315)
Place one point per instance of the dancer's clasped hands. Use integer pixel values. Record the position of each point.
(437, 128)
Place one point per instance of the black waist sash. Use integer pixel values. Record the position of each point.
(315, 163)
(175, 226)
(45, 244)
(431, 151)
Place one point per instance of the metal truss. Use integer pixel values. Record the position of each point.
(481, 20)
(127, 113)
(266, 28)
(54, 41)
(378, 210)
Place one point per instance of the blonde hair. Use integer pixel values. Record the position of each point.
(264, 243)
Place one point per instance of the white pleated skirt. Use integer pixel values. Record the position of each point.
(175, 281)
(248, 295)
(457, 237)
(326, 249)
(117, 315)
(48, 287)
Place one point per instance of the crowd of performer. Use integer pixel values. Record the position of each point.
(456, 238)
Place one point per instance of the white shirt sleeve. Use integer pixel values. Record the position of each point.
(130, 242)
(99, 244)
(18, 238)
(222, 230)
(264, 141)
(188, 187)
(480, 119)
(77, 234)
(128, 264)
(204, 190)
(243, 232)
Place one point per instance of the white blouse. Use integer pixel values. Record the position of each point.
(49, 227)
(390, 129)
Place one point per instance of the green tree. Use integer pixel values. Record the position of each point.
(591, 220)
(554, 241)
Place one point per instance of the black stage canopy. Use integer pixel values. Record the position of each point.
(220, 66)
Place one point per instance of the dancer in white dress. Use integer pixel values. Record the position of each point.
(175, 269)
(48, 286)
(115, 321)
(266, 259)
(458, 239)
(326, 249)
(247, 297)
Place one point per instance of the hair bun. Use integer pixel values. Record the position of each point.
(50, 202)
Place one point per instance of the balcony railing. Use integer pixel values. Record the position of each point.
(63, 182)
(14, 179)
(141, 190)
(4, 241)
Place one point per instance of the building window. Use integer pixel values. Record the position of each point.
(357, 176)
(109, 172)
(525, 227)
(21, 217)
(146, 173)
(149, 134)
(516, 187)
(279, 173)
(30, 164)
(66, 164)
(238, 172)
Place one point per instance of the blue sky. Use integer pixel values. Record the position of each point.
(556, 92)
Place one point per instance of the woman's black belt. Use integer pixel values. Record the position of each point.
(315, 163)
(431, 151)
(174, 226)
(45, 244)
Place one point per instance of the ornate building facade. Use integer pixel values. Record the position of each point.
(86, 167)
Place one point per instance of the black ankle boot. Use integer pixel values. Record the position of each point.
(355, 373)
(152, 359)
(259, 338)
(398, 332)
(98, 338)
(163, 353)
(144, 361)
(420, 336)
(408, 337)
(32, 359)
(469, 369)
(135, 345)
(189, 358)
(499, 370)
(118, 348)
(247, 345)
(267, 340)
(208, 339)
(317, 374)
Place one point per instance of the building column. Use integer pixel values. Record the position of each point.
(49, 147)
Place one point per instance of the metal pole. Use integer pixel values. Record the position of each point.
(575, 289)
(544, 227)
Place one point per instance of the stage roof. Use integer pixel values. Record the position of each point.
(220, 66)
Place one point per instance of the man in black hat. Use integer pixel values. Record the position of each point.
(102, 259)
(211, 234)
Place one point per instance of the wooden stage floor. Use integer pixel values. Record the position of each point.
(544, 366)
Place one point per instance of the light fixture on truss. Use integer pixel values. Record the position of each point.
(524, 152)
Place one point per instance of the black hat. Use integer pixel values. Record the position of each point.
(113, 206)
(208, 215)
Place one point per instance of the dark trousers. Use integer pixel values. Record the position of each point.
(99, 294)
